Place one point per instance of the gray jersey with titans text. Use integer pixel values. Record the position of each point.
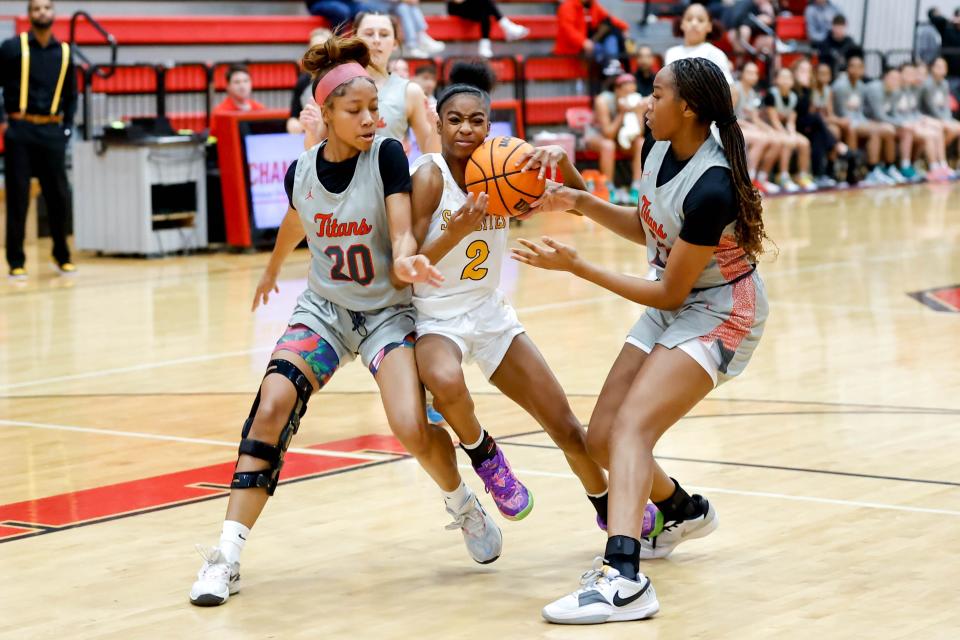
(349, 240)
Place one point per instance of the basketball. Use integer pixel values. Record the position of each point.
(491, 170)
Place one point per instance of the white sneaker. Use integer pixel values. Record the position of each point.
(787, 185)
(674, 533)
(880, 177)
(895, 175)
(430, 45)
(416, 52)
(770, 187)
(480, 533)
(217, 579)
(484, 48)
(604, 596)
(513, 31)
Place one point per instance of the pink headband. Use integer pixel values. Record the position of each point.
(339, 75)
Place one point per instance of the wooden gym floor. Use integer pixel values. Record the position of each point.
(832, 461)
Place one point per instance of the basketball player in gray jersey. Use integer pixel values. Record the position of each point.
(700, 219)
(350, 196)
(403, 105)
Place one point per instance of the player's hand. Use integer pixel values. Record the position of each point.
(310, 116)
(268, 284)
(467, 218)
(555, 256)
(417, 268)
(556, 198)
(544, 158)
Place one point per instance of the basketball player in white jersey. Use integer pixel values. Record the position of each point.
(467, 318)
(403, 104)
(350, 197)
(701, 221)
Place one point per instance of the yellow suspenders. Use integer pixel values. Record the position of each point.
(25, 74)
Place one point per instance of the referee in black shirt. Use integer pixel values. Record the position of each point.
(40, 98)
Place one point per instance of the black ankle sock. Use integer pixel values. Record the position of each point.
(486, 450)
(623, 554)
(600, 504)
(680, 505)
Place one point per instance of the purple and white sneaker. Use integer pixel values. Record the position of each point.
(513, 499)
(652, 521)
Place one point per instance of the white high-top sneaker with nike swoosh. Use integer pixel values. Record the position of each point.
(605, 596)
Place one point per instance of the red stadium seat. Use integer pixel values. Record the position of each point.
(791, 28)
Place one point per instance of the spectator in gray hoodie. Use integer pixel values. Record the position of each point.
(880, 104)
(935, 100)
(818, 17)
(849, 95)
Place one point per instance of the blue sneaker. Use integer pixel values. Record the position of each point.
(434, 417)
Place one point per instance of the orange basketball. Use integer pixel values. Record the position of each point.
(491, 170)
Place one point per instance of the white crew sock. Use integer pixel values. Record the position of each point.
(475, 444)
(457, 498)
(762, 176)
(232, 539)
(904, 164)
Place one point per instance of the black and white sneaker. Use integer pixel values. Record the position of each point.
(217, 579)
(605, 596)
(674, 532)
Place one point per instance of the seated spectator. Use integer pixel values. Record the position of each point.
(645, 72)
(426, 77)
(399, 67)
(239, 90)
(414, 26)
(880, 104)
(341, 13)
(849, 96)
(586, 27)
(825, 148)
(745, 18)
(929, 131)
(935, 100)
(781, 113)
(818, 16)
(696, 27)
(822, 102)
(949, 31)
(834, 49)
(612, 109)
(303, 90)
(763, 143)
(483, 12)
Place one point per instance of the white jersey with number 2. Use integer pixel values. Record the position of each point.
(471, 270)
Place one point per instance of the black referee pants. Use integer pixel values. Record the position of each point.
(36, 151)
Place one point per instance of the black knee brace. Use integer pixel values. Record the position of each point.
(273, 455)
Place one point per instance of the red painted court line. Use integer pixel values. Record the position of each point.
(949, 298)
(181, 487)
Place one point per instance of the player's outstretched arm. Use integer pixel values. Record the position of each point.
(408, 266)
(288, 237)
(623, 221)
(685, 264)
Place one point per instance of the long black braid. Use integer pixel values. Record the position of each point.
(702, 85)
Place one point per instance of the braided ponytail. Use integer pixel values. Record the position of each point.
(702, 84)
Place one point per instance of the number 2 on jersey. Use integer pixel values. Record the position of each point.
(357, 259)
(477, 251)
